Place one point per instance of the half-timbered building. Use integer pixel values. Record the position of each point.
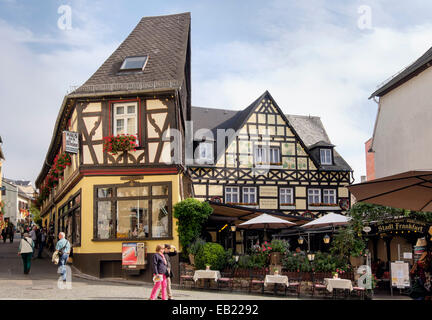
(273, 162)
(100, 199)
(276, 163)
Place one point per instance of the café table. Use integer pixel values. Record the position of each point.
(206, 274)
(275, 279)
(336, 283)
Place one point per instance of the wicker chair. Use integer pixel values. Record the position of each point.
(227, 278)
(294, 280)
(257, 278)
(318, 284)
(187, 277)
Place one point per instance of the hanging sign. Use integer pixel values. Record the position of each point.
(401, 224)
(70, 142)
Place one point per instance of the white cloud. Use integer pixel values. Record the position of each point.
(32, 87)
(327, 72)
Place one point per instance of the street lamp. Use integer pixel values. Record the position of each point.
(300, 240)
(326, 239)
(311, 256)
(233, 228)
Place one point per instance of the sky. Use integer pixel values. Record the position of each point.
(316, 57)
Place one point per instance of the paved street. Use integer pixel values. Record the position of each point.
(41, 283)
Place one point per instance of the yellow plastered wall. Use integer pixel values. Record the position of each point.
(87, 193)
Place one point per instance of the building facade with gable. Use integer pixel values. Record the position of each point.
(105, 202)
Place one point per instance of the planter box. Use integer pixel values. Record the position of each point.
(356, 261)
(324, 208)
(192, 259)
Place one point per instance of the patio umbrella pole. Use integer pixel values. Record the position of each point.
(308, 242)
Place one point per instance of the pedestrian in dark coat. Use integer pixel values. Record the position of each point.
(168, 253)
(160, 272)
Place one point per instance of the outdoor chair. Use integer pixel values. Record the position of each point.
(187, 277)
(257, 277)
(294, 282)
(318, 285)
(227, 278)
(359, 291)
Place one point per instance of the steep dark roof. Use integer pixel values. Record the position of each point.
(164, 39)
(309, 129)
(411, 71)
(321, 144)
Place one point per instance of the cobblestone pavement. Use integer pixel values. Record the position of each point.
(42, 283)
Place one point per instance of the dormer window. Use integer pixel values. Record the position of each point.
(326, 156)
(134, 63)
(205, 152)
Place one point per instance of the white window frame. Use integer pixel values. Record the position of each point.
(231, 191)
(284, 194)
(328, 194)
(312, 194)
(275, 151)
(264, 155)
(326, 156)
(205, 152)
(125, 116)
(261, 155)
(247, 193)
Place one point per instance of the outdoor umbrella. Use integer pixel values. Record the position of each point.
(330, 219)
(410, 190)
(266, 221)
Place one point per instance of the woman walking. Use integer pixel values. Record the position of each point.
(160, 273)
(26, 251)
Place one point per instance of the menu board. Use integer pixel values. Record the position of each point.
(400, 274)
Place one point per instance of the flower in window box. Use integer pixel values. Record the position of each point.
(119, 143)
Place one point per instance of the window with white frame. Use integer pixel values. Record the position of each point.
(329, 196)
(126, 118)
(249, 195)
(260, 155)
(275, 156)
(314, 196)
(206, 152)
(232, 194)
(286, 196)
(266, 155)
(326, 156)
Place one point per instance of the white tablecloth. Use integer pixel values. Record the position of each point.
(338, 284)
(276, 279)
(206, 274)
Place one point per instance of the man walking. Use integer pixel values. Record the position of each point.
(63, 247)
(41, 240)
(168, 254)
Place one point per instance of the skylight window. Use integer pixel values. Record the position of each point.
(134, 63)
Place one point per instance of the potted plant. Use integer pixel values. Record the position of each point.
(194, 248)
(208, 267)
(119, 143)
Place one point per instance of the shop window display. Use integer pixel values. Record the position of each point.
(139, 211)
(69, 220)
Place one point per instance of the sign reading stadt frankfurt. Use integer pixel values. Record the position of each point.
(70, 141)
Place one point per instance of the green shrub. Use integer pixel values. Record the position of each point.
(296, 262)
(244, 261)
(230, 260)
(196, 246)
(212, 254)
(191, 215)
(281, 246)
